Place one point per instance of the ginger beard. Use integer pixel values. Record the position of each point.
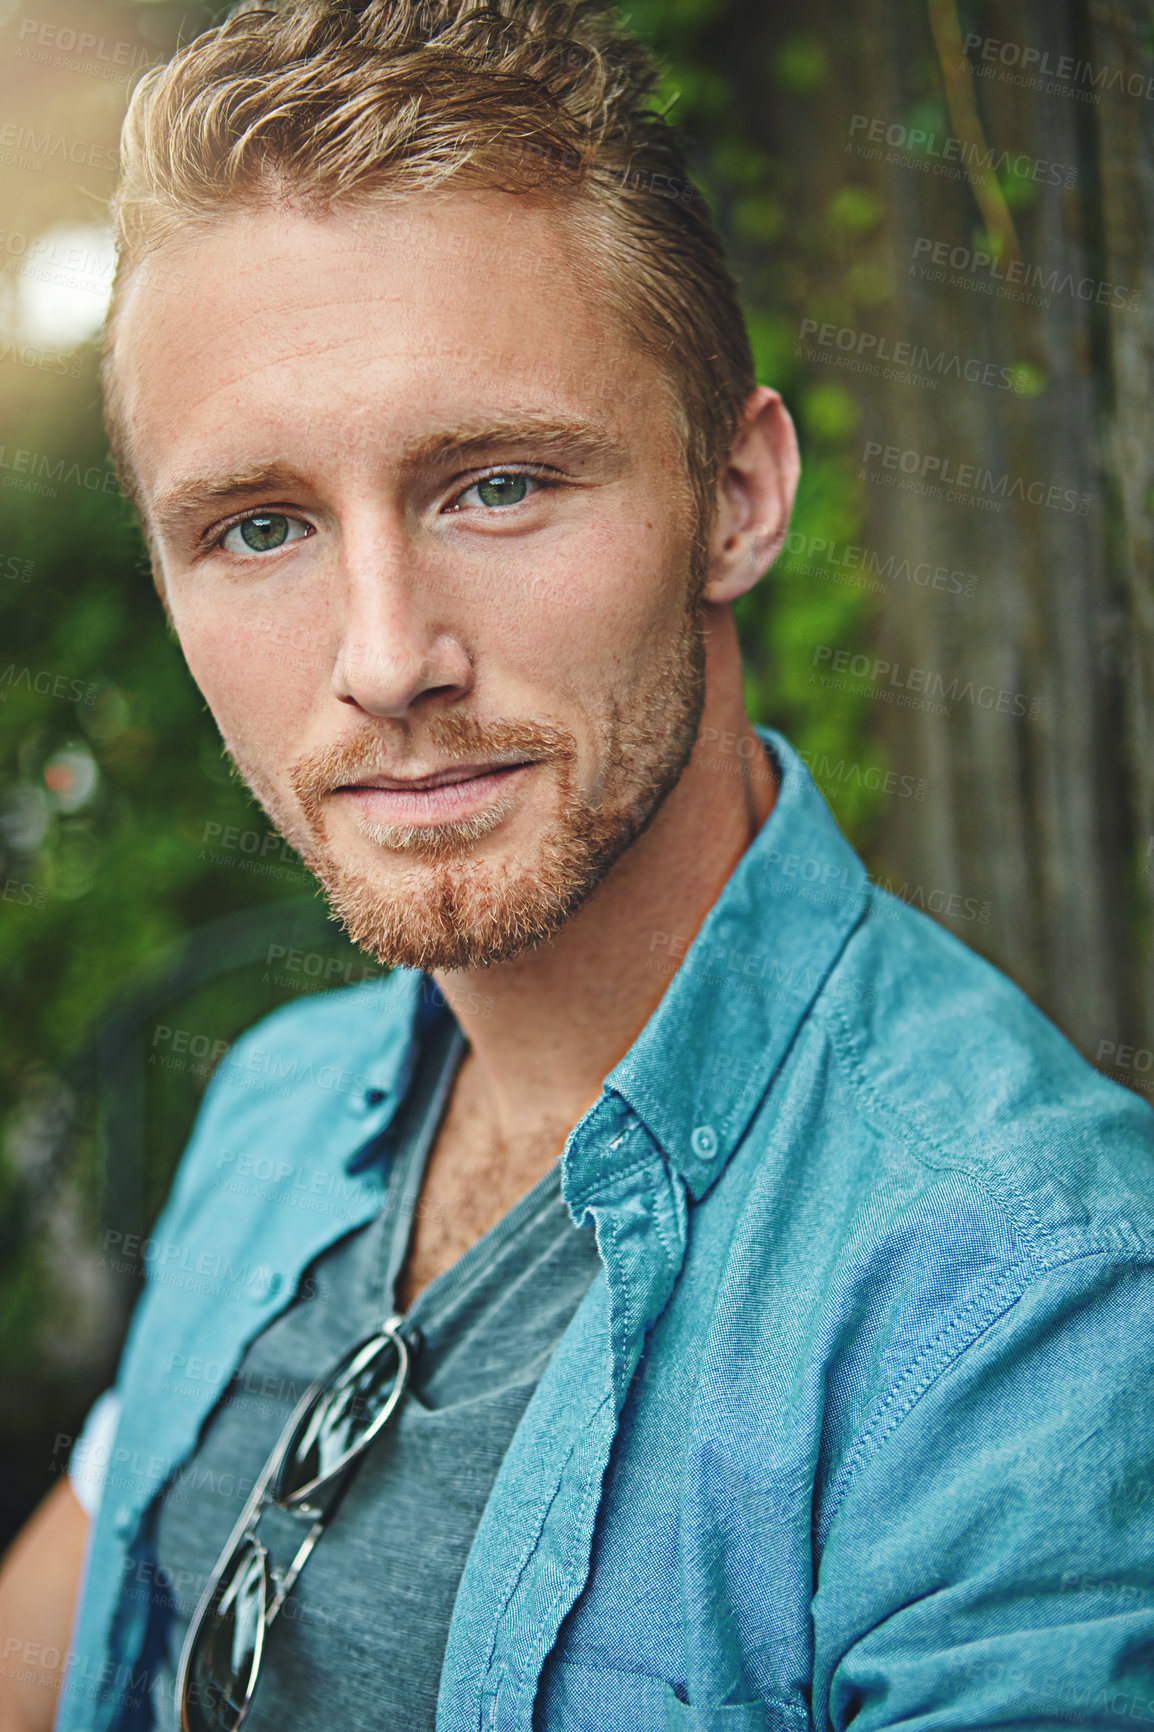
(444, 910)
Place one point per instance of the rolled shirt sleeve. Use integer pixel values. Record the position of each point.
(92, 1452)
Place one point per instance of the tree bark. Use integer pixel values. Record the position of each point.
(1039, 809)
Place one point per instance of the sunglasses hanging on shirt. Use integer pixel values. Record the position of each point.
(307, 1474)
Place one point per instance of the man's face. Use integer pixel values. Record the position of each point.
(422, 522)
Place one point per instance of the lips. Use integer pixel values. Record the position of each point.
(471, 794)
(450, 777)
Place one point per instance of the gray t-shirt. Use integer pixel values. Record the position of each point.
(360, 1641)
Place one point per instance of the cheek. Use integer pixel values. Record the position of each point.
(605, 607)
(640, 611)
(257, 677)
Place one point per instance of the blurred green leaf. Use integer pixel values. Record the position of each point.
(758, 218)
(799, 65)
(1029, 380)
(1020, 191)
(829, 413)
(854, 210)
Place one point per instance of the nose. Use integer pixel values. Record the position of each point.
(397, 648)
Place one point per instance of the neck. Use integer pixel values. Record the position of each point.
(546, 1028)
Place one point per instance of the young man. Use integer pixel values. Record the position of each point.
(727, 1298)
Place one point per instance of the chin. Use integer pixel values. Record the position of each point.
(452, 904)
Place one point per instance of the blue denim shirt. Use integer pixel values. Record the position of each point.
(855, 1423)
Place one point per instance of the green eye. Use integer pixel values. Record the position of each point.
(261, 533)
(264, 532)
(502, 489)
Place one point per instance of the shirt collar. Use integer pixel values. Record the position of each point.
(415, 1005)
(735, 997)
(738, 993)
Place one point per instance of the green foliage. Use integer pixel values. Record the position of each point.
(1029, 379)
(869, 282)
(799, 65)
(120, 870)
(773, 339)
(122, 918)
(112, 786)
(792, 263)
(758, 217)
(1020, 191)
(854, 210)
(931, 118)
(829, 414)
(985, 242)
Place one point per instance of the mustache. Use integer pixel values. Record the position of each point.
(385, 752)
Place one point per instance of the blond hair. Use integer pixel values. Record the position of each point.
(330, 102)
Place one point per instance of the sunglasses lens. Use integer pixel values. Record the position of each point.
(346, 1414)
(223, 1672)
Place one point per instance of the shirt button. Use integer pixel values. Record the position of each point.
(122, 1520)
(704, 1141)
(367, 1101)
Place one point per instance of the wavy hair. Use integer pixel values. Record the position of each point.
(330, 103)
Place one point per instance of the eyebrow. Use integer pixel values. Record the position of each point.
(583, 440)
(185, 499)
(579, 440)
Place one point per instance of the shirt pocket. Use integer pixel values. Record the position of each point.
(576, 1697)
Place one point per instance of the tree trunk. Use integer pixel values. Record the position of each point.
(1018, 455)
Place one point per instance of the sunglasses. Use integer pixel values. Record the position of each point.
(307, 1474)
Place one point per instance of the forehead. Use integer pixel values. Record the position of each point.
(345, 331)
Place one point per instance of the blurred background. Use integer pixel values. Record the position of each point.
(940, 215)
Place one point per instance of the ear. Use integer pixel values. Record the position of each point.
(755, 494)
